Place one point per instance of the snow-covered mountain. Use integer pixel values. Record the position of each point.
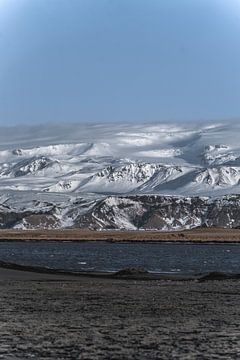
(98, 162)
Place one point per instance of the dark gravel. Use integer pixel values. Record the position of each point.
(87, 318)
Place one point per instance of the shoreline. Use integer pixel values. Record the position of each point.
(120, 275)
(206, 235)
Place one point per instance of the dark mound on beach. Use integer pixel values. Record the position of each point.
(219, 276)
(132, 271)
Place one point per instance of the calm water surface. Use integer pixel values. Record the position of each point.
(102, 256)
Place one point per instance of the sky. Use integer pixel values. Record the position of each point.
(119, 60)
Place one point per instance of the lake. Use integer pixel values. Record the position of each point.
(182, 259)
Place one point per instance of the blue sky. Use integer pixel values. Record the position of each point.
(119, 60)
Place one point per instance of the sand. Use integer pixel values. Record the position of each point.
(47, 316)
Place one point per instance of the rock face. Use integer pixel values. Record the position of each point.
(162, 213)
(28, 219)
(146, 212)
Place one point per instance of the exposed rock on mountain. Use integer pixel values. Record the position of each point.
(145, 212)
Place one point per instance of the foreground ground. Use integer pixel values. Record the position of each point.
(194, 235)
(55, 317)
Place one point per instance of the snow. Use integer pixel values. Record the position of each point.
(162, 153)
(160, 158)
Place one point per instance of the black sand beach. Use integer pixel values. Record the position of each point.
(47, 316)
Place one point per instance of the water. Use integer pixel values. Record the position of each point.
(102, 256)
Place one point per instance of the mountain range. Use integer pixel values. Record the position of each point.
(162, 176)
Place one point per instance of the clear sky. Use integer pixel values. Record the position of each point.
(119, 60)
